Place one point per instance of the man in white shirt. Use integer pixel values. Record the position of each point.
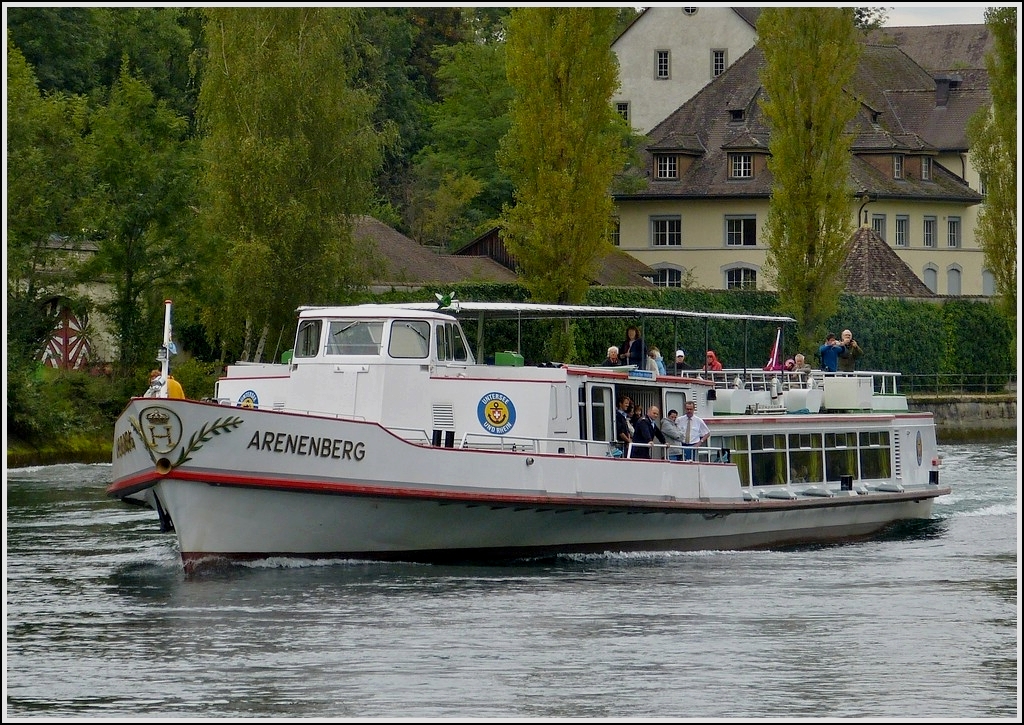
(695, 431)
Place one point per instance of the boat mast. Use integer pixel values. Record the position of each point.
(164, 354)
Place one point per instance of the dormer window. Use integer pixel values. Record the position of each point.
(689, 11)
(666, 167)
(897, 166)
(926, 168)
(741, 166)
(736, 115)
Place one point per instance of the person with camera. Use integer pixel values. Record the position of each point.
(830, 352)
(851, 351)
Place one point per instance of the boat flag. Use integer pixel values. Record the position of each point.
(775, 360)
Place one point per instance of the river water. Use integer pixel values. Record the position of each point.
(919, 623)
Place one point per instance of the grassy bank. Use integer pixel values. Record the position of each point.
(94, 448)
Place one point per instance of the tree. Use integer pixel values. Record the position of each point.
(290, 152)
(139, 210)
(45, 183)
(563, 146)
(869, 18)
(465, 133)
(993, 143)
(810, 56)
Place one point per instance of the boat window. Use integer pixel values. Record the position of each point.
(450, 344)
(409, 339)
(874, 455)
(601, 415)
(354, 337)
(307, 340)
(806, 463)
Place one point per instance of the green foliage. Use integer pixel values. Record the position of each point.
(45, 181)
(465, 130)
(810, 56)
(139, 210)
(563, 147)
(197, 378)
(993, 143)
(45, 405)
(291, 153)
(63, 44)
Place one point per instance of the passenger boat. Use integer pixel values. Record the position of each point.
(381, 436)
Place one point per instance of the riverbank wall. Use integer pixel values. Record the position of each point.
(964, 418)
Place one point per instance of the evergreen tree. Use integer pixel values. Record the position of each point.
(290, 152)
(563, 147)
(810, 56)
(993, 143)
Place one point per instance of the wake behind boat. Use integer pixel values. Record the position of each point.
(384, 438)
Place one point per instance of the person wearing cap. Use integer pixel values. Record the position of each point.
(830, 352)
(680, 361)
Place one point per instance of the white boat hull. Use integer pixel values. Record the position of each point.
(243, 484)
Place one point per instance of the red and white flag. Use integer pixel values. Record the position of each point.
(775, 360)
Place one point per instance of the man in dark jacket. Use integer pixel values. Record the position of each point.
(645, 431)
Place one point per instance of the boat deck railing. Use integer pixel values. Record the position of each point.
(882, 382)
(559, 446)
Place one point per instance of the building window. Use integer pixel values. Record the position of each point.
(690, 11)
(741, 278)
(902, 230)
(953, 234)
(741, 166)
(668, 278)
(667, 167)
(982, 186)
(616, 231)
(741, 231)
(667, 231)
(897, 166)
(988, 283)
(717, 63)
(926, 168)
(736, 115)
(878, 224)
(953, 281)
(930, 229)
(662, 68)
(622, 107)
(931, 279)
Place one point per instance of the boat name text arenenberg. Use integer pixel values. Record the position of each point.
(304, 445)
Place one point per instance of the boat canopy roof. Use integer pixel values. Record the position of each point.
(534, 311)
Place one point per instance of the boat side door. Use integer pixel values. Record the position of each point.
(600, 413)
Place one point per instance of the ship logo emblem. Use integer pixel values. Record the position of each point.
(496, 413)
(161, 429)
(249, 399)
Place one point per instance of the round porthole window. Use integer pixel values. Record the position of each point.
(690, 11)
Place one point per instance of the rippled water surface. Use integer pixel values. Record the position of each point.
(919, 623)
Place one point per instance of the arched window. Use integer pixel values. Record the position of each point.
(953, 280)
(988, 283)
(668, 276)
(931, 278)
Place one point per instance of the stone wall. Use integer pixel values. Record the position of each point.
(965, 417)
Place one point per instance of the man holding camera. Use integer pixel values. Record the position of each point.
(850, 352)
